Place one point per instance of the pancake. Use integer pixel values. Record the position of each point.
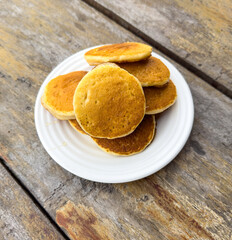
(58, 95)
(109, 102)
(120, 52)
(150, 72)
(134, 143)
(160, 99)
(76, 126)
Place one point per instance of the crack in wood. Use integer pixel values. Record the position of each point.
(34, 200)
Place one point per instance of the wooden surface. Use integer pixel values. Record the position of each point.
(188, 199)
(19, 216)
(199, 32)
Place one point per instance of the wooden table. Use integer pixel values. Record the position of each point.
(191, 198)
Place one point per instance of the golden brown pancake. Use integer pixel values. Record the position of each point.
(159, 99)
(76, 126)
(133, 143)
(150, 72)
(120, 52)
(109, 102)
(58, 95)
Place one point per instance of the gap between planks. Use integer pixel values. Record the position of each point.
(34, 200)
(122, 22)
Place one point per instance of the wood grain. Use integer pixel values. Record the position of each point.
(198, 31)
(20, 218)
(188, 199)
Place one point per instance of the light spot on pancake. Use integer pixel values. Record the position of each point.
(87, 97)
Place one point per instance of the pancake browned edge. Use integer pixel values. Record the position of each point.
(76, 126)
(58, 95)
(150, 72)
(160, 99)
(134, 143)
(120, 52)
(109, 102)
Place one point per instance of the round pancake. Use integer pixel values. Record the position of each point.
(58, 95)
(76, 126)
(109, 102)
(133, 143)
(159, 99)
(150, 72)
(120, 52)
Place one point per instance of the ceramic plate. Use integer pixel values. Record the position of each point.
(79, 155)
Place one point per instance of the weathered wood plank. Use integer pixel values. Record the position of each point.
(20, 218)
(190, 198)
(198, 31)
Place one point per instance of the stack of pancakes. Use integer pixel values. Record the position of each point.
(115, 102)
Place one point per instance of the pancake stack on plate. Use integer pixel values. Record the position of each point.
(115, 102)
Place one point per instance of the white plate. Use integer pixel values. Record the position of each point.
(79, 155)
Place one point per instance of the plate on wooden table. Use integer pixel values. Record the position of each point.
(78, 154)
